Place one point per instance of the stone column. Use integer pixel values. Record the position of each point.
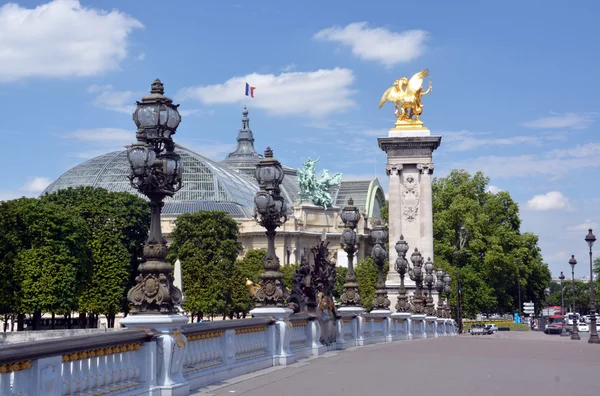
(394, 212)
(426, 211)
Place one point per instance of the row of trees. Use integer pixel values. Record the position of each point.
(75, 250)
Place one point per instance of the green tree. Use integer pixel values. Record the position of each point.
(48, 251)
(119, 223)
(251, 265)
(340, 279)
(288, 271)
(366, 277)
(207, 245)
(384, 212)
(495, 259)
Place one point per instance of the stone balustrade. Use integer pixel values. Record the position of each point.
(128, 362)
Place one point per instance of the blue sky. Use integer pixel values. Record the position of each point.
(515, 90)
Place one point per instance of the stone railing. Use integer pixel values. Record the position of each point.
(95, 364)
(150, 362)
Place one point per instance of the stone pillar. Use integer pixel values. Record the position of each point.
(409, 155)
(394, 227)
(426, 210)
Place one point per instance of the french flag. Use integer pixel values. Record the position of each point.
(250, 90)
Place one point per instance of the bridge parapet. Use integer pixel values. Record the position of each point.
(128, 362)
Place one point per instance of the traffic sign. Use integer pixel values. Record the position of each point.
(528, 304)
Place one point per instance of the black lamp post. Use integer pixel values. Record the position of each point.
(562, 293)
(590, 238)
(429, 280)
(416, 274)
(574, 331)
(403, 305)
(448, 290)
(379, 254)
(439, 286)
(156, 172)
(270, 212)
(349, 241)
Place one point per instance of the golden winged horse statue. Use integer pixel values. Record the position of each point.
(406, 95)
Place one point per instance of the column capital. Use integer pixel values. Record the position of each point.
(426, 168)
(393, 169)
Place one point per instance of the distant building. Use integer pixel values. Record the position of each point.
(230, 186)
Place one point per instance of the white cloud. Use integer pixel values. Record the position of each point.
(545, 164)
(111, 99)
(141, 56)
(32, 188)
(377, 44)
(583, 227)
(467, 140)
(494, 189)
(316, 94)
(289, 68)
(61, 38)
(550, 201)
(102, 136)
(210, 149)
(567, 120)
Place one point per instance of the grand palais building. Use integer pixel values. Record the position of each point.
(229, 185)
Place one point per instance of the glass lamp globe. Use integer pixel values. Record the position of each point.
(156, 116)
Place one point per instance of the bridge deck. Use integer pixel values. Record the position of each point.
(527, 363)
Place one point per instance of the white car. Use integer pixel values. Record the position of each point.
(583, 327)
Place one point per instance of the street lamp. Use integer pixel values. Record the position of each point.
(416, 274)
(448, 290)
(429, 267)
(156, 172)
(574, 331)
(270, 212)
(439, 286)
(349, 241)
(403, 305)
(379, 254)
(590, 239)
(562, 293)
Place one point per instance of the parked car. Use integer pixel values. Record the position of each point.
(491, 328)
(478, 329)
(583, 327)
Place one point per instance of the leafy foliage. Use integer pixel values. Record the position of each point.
(496, 258)
(340, 279)
(118, 222)
(46, 249)
(366, 277)
(288, 271)
(207, 246)
(384, 212)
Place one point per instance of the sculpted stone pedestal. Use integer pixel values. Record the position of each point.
(417, 326)
(282, 354)
(431, 326)
(409, 168)
(170, 351)
(401, 322)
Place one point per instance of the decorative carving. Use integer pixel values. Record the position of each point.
(426, 168)
(303, 297)
(202, 336)
(254, 329)
(410, 198)
(406, 95)
(17, 366)
(393, 169)
(90, 353)
(408, 152)
(179, 338)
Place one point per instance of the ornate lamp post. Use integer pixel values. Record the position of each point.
(401, 267)
(562, 293)
(379, 254)
(429, 267)
(590, 238)
(349, 241)
(439, 286)
(156, 172)
(416, 274)
(575, 331)
(270, 212)
(447, 290)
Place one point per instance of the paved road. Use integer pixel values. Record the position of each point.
(511, 363)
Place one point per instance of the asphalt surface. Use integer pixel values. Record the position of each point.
(507, 363)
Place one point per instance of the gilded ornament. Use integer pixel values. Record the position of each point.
(406, 95)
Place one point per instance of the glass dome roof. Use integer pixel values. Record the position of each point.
(207, 185)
